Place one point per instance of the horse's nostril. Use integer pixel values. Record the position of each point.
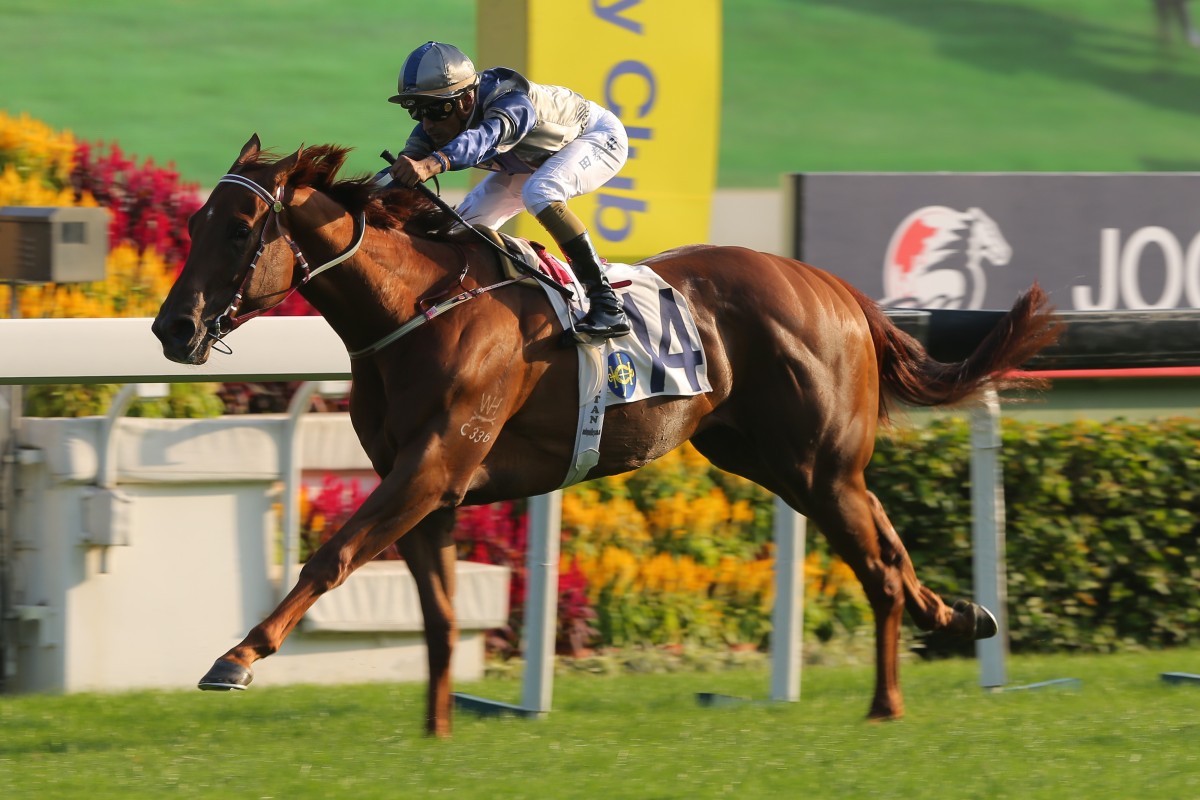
(179, 331)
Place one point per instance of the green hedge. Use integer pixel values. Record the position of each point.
(1103, 526)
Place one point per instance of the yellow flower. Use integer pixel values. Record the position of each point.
(591, 525)
(613, 569)
(19, 188)
(691, 458)
(36, 166)
(134, 286)
(305, 501)
(741, 512)
(33, 147)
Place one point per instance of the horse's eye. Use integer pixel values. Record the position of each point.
(241, 232)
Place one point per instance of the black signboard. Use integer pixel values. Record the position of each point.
(1095, 241)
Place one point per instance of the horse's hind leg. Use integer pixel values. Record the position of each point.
(854, 521)
(843, 511)
(834, 496)
(858, 529)
(430, 553)
(967, 620)
(827, 485)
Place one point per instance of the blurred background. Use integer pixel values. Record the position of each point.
(140, 106)
(808, 85)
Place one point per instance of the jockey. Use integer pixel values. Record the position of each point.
(543, 145)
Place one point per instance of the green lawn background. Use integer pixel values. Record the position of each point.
(809, 85)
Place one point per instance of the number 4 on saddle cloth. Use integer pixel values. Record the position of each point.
(661, 357)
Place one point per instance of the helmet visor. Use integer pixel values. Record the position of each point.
(432, 110)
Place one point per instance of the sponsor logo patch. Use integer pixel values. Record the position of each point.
(622, 377)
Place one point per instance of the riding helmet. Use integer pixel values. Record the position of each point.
(434, 70)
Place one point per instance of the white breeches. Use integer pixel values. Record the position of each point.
(583, 166)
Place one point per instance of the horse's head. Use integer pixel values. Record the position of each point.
(240, 261)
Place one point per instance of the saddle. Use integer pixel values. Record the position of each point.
(665, 358)
(533, 254)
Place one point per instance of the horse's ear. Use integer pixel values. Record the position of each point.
(249, 150)
(288, 164)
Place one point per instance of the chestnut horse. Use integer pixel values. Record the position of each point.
(801, 366)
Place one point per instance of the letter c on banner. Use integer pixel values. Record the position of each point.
(630, 68)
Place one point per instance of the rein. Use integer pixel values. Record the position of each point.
(430, 313)
(229, 320)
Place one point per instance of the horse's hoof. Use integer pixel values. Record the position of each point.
(885, 715)
(982, 624)
(226, 676)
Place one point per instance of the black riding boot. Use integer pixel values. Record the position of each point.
(605, 319)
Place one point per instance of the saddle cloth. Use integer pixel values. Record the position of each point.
(662, 357)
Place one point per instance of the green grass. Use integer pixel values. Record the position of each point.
(1124, 733)
(1003, 85)
(188, 82)
(993, 85)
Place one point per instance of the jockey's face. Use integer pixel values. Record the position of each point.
(442, 131)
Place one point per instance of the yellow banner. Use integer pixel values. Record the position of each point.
(657, 65)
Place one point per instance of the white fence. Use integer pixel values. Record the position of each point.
(136, 550)
(305, 348)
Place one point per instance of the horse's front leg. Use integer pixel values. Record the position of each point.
(431, 556)
(401, 500)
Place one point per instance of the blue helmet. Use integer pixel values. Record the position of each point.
(434, 70)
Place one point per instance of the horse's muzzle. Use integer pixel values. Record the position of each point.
(184, 339)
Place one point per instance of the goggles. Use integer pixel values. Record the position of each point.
(434, 111)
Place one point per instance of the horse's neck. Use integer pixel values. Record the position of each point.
(371, 293)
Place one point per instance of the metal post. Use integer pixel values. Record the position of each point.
(987, 533)
(787, 617)
(541, 602)
(291, 469)
(292, 472)
(8, 515)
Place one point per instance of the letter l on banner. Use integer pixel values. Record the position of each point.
(657, 66)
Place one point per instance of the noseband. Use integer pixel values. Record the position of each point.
(229, 320)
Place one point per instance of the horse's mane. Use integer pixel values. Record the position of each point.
(317, 167)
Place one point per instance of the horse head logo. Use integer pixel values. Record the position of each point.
(936, 256)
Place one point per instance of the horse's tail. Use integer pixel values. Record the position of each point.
(907, 373)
